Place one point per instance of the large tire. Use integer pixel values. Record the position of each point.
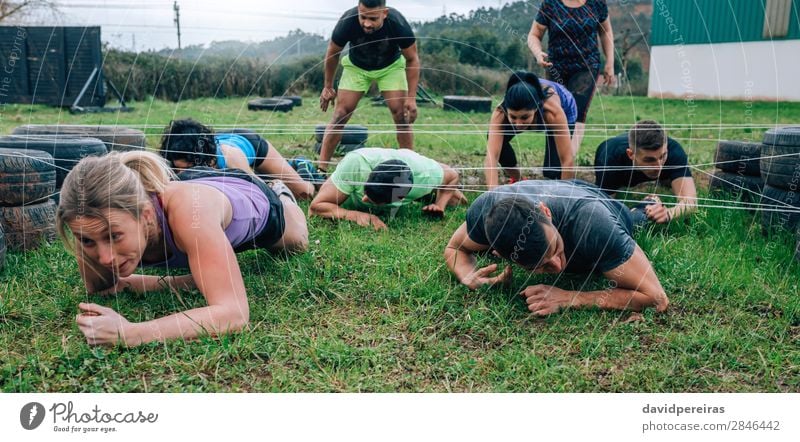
(29, 227)
(296, 100)
(783, 136)
(270, 104)
(26, 176)
(788, 203)
(780, 166)
(351, 134)
(342, 149)
(116, 138)
(742, 187)
(467, 104)
(739, 157)
(66, 152)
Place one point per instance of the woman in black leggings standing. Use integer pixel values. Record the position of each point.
(573, 56)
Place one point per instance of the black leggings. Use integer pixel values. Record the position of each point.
(582, 84)
(552, 163)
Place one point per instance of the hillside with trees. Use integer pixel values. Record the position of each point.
(462, 54)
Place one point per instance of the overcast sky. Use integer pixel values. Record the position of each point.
(148, 24)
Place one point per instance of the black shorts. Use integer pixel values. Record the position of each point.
(275, 227)
(552, 163)
(582, 84)
(260, 145)
(276, 221)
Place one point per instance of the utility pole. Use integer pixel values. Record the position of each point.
(177, 21)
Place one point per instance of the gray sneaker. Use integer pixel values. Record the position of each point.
(280, 188)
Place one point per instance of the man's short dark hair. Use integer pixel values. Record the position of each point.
(389, 182)
(190, 141)
(647, 135)
(514, 227)
(373, 3)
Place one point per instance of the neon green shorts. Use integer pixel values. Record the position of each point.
(390, 78)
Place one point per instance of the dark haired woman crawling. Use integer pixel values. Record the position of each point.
(187, 143)
(531, 104)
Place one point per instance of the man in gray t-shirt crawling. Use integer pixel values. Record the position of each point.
(555, 227)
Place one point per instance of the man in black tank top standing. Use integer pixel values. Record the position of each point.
(383, 49)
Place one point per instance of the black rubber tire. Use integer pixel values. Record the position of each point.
(26, 176)
(351, 134)
(780, 166)
(783, 136)
(65, 152)
(2, 248)
(739, 157)
(342, 149)
(380, 101)
(270, 104)
(297, 101)
(742, 187)
(467, 103)
(116, 138)
(779, 198)
(29, 227)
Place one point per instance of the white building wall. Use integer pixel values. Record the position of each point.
(749, 71)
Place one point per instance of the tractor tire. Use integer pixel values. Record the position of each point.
(26, 176)
(739, 157)
(270, 104)
(116, 138)
(780, 166)
(785, 209)
(467, 104)
(29, 227)
(351, 134)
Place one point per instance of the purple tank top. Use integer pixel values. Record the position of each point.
(567, 100)
(250, 212)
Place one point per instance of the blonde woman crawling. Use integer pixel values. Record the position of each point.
(126, 210)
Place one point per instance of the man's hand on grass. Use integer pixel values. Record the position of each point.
(433, 210)
(483, 276)
(367, 220)
(545, 300)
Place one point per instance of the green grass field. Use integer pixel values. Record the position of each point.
(365, 311)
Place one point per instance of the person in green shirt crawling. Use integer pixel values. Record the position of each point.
(375, 178)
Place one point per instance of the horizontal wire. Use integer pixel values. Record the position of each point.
(739, 205)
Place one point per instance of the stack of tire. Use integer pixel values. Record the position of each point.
(27, 212)
(738, 171)
(274, 104)
(66, 152)
(780, 168)
(116, 138)
(467, 104)
(353, 137)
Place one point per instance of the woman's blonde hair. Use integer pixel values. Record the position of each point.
(122, 181)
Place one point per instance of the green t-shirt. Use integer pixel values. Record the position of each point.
(352, 172)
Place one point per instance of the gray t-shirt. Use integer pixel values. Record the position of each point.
(596, 229)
